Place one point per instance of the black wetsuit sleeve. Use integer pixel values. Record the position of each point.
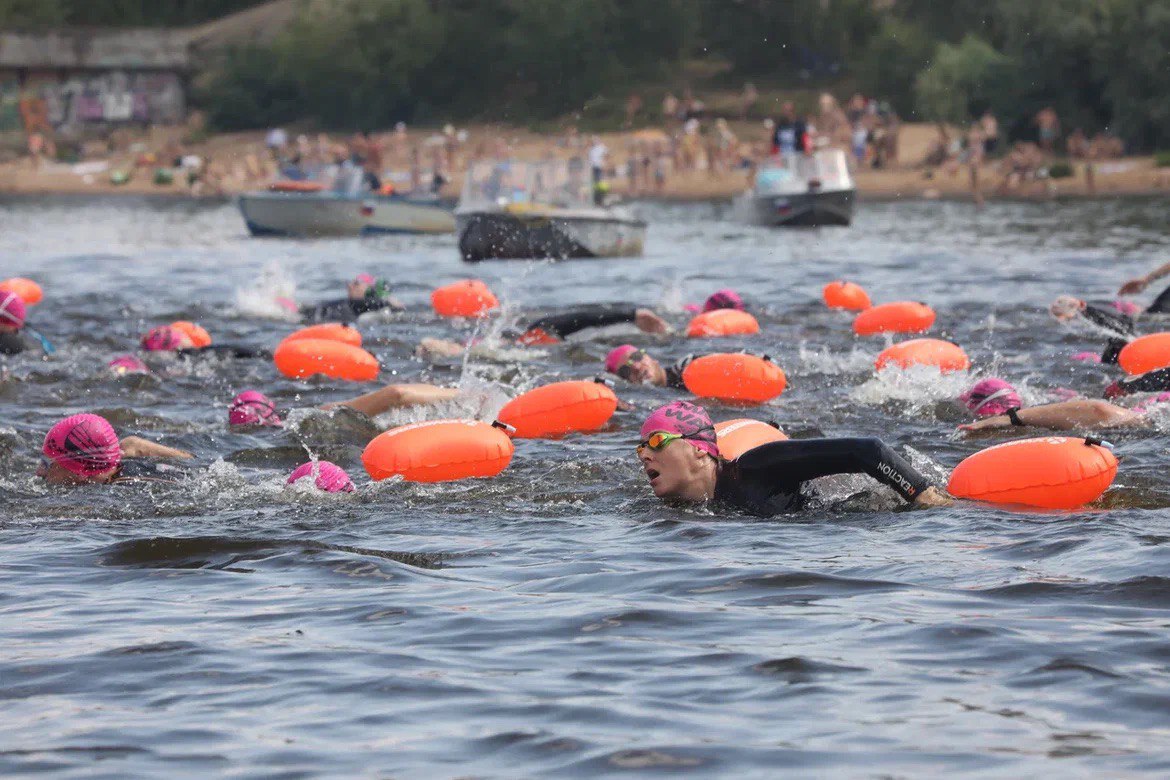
(1116, 323)
(14, 343)
(793, 462)
(1161, 304)
(1156, 381)
(228, 350)
(674, 378)
(568, 323)
(1112, 351)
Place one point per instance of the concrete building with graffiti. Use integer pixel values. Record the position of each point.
(79, 83)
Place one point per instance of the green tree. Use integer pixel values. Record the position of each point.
(891, 62)
(961, 77)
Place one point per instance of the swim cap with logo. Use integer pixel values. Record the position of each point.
(724, 299)
(617, 357)
(128, 364)
(12, 310)
(685, 419)
(252, 407)
(164, 338)
(991, 397)
(84, 444)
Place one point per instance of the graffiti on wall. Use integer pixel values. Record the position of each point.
(72, 102)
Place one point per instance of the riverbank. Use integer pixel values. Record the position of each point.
(238, 162)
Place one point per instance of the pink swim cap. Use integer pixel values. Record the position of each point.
(1128, 308)
(164, 338)
(128, 364)
(364, 279)
(991, 397)
(617, 357)
(329, 477)
(1087, 357)
(724, 299)
(12, 309)
(252, 407)
(685, 419)
(84, 444)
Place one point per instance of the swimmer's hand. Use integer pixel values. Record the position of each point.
(649, 322)
(430, 348)
(135, 447)
(988, 423)
(933, 497)
(1134, 286)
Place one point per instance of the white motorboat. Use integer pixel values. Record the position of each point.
(800, 190)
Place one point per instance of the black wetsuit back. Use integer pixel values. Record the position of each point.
(344, 309)
(226, 350)
(674, 378)
(559, 326)
(769, 479)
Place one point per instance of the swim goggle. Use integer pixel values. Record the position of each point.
(1000, 393)
(659, 439)
(624, 369)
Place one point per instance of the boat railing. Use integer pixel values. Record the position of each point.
(510, 182)
(794, 173)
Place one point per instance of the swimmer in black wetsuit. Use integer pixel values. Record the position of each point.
(1156, 381)
(1161, 304)
(1118, 325)
(553, 328)
(365, 294)
(635, 365)
(85, 449)
(769, 479)
(13, 341)
(166, 338)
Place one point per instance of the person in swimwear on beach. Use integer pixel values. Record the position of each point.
(365, 294)
(166, 338)
(998, 405)
(679, 454)
(252, 408)
(12, 321)
(85, 449)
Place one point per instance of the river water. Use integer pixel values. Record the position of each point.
(557, 620)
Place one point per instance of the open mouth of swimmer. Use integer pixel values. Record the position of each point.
(652, 474)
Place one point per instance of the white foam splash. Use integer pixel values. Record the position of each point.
(261, 298)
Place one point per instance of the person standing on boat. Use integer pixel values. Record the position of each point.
(791, 133)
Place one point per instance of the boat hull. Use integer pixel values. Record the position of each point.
(330, 214)
(498, 236)
(811, 209)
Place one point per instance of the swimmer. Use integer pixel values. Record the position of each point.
(1116, 321)
(85, 449)
(1161, 304)
(127, 364)
(365, 294)
(679, 454)
(720, 299)
(252, 408)
(1156, 381)
(636, 366)
(553, 328)
(13, 341)
(166, 338)
(999, 406)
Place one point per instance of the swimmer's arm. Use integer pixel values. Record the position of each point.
(568, 323)
(1139, 284)
(1064, 416)
(137, 447)
(1156, 381)
(804, 459)
(430, 348)
(397, 397)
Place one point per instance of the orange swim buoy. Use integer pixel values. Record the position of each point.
(199, 337)
(1054, 472)
(438, 451)
(735, 437)
(1145, 354)
(296, 186)
(722, 322)
(329, 331)
(560, 408)
(898, 317)
(302, 358)
(734, 377)
(943, 355)
(468, 298)
(845, 295)
(26, 289)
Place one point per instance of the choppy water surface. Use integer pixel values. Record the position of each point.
(557, 620)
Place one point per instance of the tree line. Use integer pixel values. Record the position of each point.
(369, 63)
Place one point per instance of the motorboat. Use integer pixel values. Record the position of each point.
(800, 190)
(308, 209)
(533, 210)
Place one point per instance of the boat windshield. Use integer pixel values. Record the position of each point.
(563, 183)
(792, 173)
